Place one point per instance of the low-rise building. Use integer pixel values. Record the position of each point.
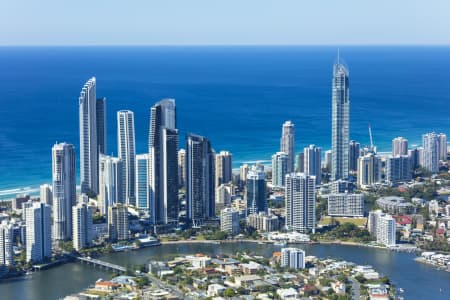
(287, 294)
(251, 267)
(263, 222)
(346, 205)
(215, 289)
(396, 205)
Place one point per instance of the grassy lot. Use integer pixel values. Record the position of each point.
(357, 221)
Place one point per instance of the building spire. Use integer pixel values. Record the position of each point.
(339, 57)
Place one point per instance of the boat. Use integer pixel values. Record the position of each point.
(401, 290)
(282, 244)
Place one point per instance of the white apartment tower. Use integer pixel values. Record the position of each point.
(111, 190)
(82, 226)
(300, 202)
(313, 162)
(280, 161)
(46, 194)
(38, 232)
(229, 221)
(118, 223)
(386, 230)
(127, 153)
(399, 146)
(431, 152)
(293, 258)
(89, 149)
(223, 167)
(6, 244)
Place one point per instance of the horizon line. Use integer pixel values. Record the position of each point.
(223, 45)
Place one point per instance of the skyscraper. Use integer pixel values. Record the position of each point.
(243, 171)
(82, 226)
(287, 143)
(6, 245)
(398, 169)
(300, 168)
(181, 168)
(38, 232)
(279, 168)
(386, 229)
(200, 186)
(46, 194)
(255, 190)
(300, 197)
(64, 189)
(443, 146)
(354, 152)
(118, 223)
(89, 146)
(415, 156)
(293, 258)
(101, 124)
(127, 153)
(163, 174)
(313, 162)
(369, 170)
(399, 146)
(111, 189)
(431, 152)
(142, 186)
(229, 221)
(340, 129)
(223, 167)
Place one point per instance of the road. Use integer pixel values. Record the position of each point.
(356, 293)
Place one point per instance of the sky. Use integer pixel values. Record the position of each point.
(225, 22)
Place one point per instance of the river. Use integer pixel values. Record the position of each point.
(418, 280)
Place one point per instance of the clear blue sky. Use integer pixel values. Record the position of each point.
(225, 22)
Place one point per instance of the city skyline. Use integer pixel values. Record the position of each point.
(225, 149)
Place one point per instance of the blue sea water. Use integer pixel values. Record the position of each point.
(237, 96)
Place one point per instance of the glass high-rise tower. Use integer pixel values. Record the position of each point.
(200, 186)
(163, 166)
(287, 143)
(64, 190)
(340, 117)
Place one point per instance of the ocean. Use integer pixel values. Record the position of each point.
(238, 97)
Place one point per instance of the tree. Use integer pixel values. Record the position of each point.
(229, 292)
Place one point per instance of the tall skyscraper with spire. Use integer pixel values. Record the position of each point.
(163, 173)
(92, 122)
(127, 153)
(64, 190)
(340, 117)
(287, 143)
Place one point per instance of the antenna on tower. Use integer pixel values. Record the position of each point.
(339, 56)
(371, 140)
